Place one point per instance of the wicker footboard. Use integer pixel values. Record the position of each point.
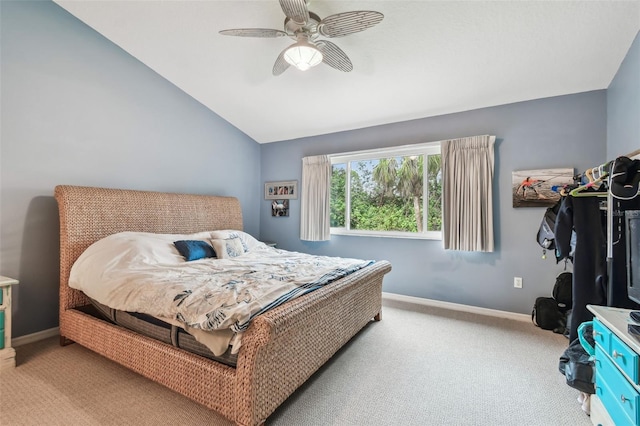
(304, 333)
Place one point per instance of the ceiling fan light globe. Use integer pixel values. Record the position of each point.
(303, 56)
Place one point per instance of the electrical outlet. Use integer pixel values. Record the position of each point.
(517, 282)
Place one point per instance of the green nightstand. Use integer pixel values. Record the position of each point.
(7, 353)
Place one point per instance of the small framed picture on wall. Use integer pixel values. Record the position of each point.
(280, 208)
(285, 190)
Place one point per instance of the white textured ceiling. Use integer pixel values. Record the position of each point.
(425, 58)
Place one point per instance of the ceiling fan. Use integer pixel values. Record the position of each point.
(305, 27)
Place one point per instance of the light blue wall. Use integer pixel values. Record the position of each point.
(76, 109)
(623, 105)
(566, 131)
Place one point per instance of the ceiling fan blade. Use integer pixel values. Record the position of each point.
(342, 24)
(333, 56)
(281, 64)
(254, 32)
(296, 10)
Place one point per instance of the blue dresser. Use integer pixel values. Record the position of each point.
(617, 363)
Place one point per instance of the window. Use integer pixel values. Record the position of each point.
(394, 192)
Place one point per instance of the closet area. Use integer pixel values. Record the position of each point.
(590, 233)
(597, 229)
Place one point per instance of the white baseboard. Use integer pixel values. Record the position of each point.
(455, 306)
(34, 337)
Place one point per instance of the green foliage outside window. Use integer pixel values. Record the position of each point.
(387, 194)
(338, 196)
(434, 186)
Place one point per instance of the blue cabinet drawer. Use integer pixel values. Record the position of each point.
(624, 358)
(601, 335)
(2, 319)
(618, 395)
(611, 404)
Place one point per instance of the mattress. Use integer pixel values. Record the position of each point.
(154, 328)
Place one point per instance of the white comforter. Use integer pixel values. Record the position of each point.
(143, 272)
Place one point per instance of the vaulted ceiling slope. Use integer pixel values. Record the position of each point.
(425, 58)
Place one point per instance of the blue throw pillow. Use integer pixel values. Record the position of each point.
(194, 249)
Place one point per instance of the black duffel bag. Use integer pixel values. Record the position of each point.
(547, 315)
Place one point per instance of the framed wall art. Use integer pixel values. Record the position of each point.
(286, 190)
(539, 188)
(280, 208)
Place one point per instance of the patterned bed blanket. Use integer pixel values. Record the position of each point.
(143, 272)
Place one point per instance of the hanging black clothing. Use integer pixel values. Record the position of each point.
(583, 215)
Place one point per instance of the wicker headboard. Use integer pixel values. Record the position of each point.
(88, 214)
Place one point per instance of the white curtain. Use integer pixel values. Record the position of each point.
(467, 195)
(315, 194)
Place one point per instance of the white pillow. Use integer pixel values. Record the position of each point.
(228, 248)
(248, 241)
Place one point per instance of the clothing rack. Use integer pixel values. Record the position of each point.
(599, 273)
(595, 177)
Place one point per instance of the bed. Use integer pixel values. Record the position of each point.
(281, 348)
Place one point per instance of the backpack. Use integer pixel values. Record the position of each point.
(547, 315)
(546, 236)
(562, 291)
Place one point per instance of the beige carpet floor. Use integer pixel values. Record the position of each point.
(418, 366)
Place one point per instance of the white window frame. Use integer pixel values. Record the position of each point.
(425, 149)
